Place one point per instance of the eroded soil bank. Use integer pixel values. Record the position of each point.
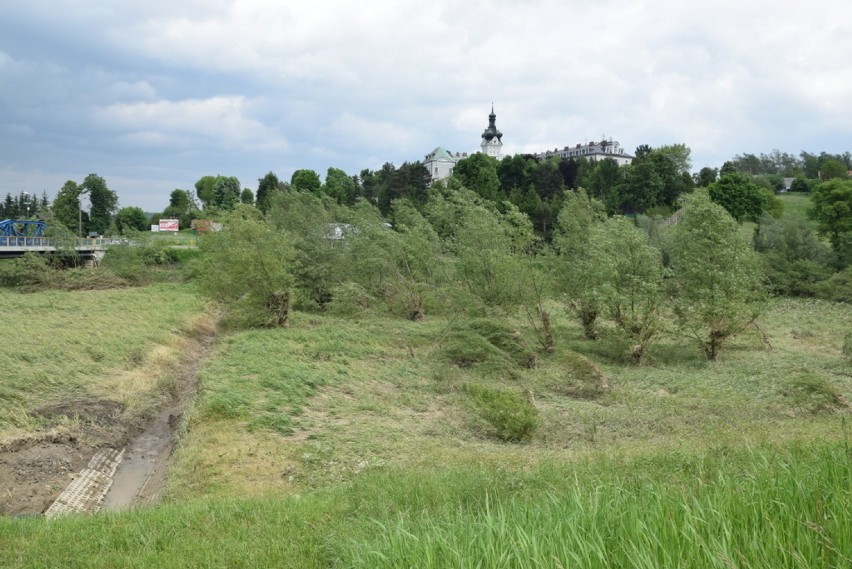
(36, 468)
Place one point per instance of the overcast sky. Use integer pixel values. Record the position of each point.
(153, 95)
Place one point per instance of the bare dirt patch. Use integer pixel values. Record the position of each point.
(36, 468)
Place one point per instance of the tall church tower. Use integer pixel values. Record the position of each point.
(492, 144)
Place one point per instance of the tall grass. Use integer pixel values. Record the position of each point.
(769, 506)
(759, 508)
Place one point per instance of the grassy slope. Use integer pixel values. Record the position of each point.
(349, 442)
(63, 346)
(349, 396)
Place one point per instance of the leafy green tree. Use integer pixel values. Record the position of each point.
(574, 223)
(740, 196)
(832, 210)
(488, 246)
(308, 219)
(800, 185)
(247, 196)
(226, 192)
(728, 168)
(795, 257)
(66, 206)
(181, 207)
(642, 151)
(104, 203)
(411, 180)
(266, 187)
(340, 186)
(831, 169)
(204, 189)
(399, 266)
(131, 219)
(547, 178)
(716, 276)
(305, 181)
(478, 172)
(515, 172)
(247, 266)
(672, 164)
(640, 189)
(706, 176)
(603, 183)
(625, 277)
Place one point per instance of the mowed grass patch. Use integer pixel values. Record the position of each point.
(300, 394)
(332, 398)
(68, 345)
(762, 388)
(761, 506)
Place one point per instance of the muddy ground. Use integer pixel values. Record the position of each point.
(36, 468)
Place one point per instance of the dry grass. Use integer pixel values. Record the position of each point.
(119, 345)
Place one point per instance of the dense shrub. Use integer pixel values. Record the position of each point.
(795, 257)
(837, 288)
(30, 270)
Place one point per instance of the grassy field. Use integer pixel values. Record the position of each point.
(361, 442)
(794, 205)
(106, 344)
(285, 411)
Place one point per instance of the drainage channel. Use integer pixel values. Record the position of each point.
(85, 494)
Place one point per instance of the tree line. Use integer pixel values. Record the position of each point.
(459, 253)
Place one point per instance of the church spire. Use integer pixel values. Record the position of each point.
(492, 138)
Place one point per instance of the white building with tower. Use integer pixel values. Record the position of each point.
(440, 162)
(492, 139)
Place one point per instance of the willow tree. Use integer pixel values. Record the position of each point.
(716, 275)
(625, 277)
(247, 268)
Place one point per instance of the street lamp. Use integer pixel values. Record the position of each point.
(80, 213)
(27, 204)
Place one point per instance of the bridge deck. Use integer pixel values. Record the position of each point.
(15, 246)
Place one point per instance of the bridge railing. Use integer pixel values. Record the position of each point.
(16, 241)
(86, 243)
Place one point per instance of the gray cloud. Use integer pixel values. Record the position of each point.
(155, 95)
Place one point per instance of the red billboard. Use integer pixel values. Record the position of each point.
(168, 225)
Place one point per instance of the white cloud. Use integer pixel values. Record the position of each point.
(217, 121)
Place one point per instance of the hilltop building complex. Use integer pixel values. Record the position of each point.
(440, 162)
(591, 151)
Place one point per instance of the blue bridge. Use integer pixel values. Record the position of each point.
(19, 237)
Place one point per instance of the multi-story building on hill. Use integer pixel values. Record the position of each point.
(440, 162)
(591, 151)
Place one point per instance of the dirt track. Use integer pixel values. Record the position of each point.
(34, 470)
